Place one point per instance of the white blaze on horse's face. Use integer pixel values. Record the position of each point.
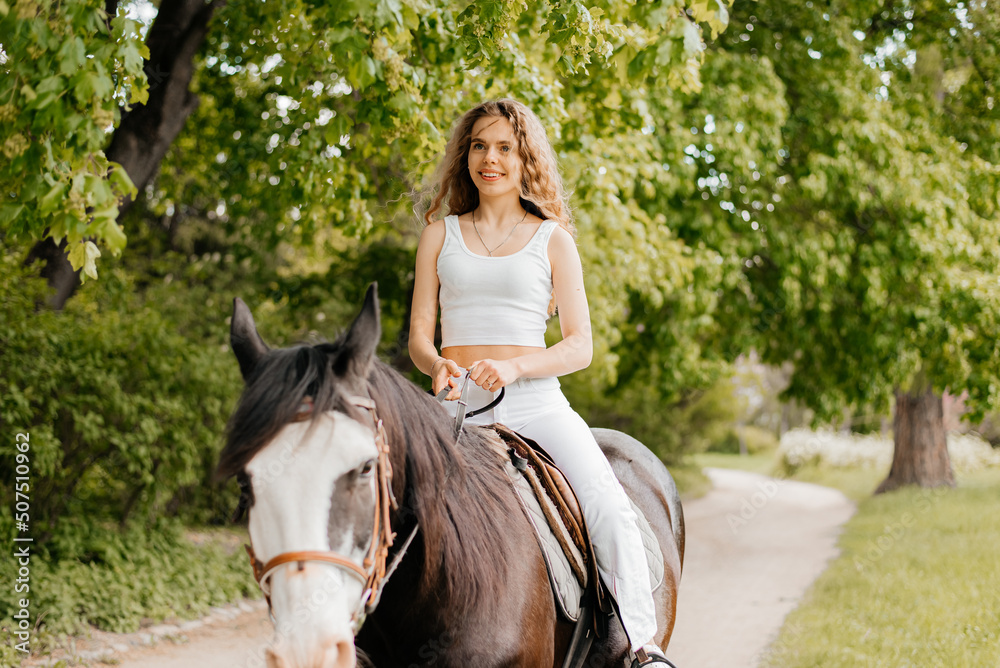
(314, 488)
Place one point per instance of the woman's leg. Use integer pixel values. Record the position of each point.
(621, 559)
(537, 409)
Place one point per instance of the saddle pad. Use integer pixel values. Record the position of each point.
(563, 575)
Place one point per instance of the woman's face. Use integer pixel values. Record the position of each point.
(494, 162)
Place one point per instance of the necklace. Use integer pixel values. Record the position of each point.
(506, 239)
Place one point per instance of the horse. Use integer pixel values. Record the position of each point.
(339, 457)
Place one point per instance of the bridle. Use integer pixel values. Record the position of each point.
(373, 572)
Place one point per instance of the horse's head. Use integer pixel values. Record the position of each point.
(304, 446)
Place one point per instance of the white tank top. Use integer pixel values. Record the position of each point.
(494, 300)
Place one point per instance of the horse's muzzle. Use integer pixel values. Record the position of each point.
(334, 653)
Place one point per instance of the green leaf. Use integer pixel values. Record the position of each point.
(72, 56)
(53, 84)
(52, 200)
(132, 55)
(83, 257)
(9, 213)
(692, 38)
(111, 232)
(388, 11)
(120, 182)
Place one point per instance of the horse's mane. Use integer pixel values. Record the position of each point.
(455, 489)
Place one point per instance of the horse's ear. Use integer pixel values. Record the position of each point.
(358, 350)
(243, 336)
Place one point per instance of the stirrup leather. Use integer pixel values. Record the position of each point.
(653, 660)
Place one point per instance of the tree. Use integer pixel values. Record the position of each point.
(850, 191)
(265, 148)
(343, 93)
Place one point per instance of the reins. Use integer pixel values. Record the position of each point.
(373, 572)
(462, 413)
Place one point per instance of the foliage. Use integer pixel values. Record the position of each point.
(343, 89)
(90, 574)
(702, 421)
(849, 200)
(67, 70)
(124, 399)
(755, 439)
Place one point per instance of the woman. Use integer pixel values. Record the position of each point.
(496, 263)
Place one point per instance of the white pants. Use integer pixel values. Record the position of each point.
(537, 409)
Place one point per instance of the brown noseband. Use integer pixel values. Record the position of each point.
(372, 573)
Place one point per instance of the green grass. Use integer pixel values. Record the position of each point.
(917, 584)
(763, 463)
(856, 484)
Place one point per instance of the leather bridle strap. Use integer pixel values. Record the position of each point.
(312, 555)
(373, 573)
(492, 404)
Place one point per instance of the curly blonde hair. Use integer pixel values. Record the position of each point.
(541, 188)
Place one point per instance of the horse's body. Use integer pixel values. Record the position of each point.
(472, 588)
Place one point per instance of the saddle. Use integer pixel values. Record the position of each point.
(552, 508)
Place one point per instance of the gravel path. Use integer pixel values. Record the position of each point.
(754, 545)
(239, 643)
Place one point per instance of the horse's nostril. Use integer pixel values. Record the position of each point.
(274, 660)
(341, 655)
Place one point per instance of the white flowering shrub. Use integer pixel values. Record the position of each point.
(800, 447)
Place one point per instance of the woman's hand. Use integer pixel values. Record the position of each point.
(491, 375)
(444, 373)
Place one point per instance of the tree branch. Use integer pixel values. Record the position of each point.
(147, 131)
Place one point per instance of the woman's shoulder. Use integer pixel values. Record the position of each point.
(561, 244)
(433, 233)
(559, 235)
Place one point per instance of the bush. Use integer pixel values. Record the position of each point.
(802, 447)
(701, 422)
(90, 573)
(757, 440)
(124, 413)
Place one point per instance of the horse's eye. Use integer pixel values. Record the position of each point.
(367, 469)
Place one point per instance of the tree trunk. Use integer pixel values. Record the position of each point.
(921, 449)
(148, 130)
(57, 270)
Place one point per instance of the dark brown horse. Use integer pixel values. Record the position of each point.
(471, 589)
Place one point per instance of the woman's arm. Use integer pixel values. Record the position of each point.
(423, 312)
(576, 349)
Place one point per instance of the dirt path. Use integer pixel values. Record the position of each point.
(237, 643)
(754, 545)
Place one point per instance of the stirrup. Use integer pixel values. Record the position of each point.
(653, 659)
